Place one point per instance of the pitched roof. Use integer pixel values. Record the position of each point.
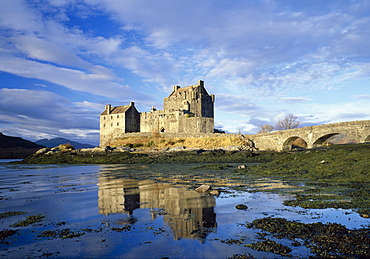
(183, 89)
(117, 110)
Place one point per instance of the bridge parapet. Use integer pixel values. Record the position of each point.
(312, 135)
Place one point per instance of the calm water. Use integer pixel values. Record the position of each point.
(138, 211)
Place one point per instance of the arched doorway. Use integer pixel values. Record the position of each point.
(294, 143)
(163, 130)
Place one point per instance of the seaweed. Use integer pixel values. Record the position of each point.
(29, 220)
(325, 240)
(271, 246)
(11, 214)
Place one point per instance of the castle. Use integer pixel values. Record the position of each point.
(186, 110)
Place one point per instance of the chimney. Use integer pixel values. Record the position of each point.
(175, 88)
(200, 82)
(132, 104)
(108, 108)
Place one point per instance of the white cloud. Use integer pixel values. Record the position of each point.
(362, 97)
(46, 113)
(236, 104)
(97, 82)
(90, 105)
(39, 49)
(246, 52)
(338, 112)
(16, 15)
(294, 99)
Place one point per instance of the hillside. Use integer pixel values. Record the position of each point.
(15, 147)
(58, 141)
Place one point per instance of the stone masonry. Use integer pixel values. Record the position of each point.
(186, 110)
(313, 136)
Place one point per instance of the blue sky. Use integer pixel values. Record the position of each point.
(61, 61)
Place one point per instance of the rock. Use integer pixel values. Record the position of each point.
(122, 149)
(204, 188)
(241, 207)
(322, 162)
(366, 216)
(214, 192)
(233, 148)
(242, 167)
(195, 150)
(178, 148)
(42, 151)
(65, 147)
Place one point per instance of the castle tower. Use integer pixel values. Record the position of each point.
(193, 100)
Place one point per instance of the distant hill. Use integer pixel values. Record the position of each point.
(15, 147)
(57, 141)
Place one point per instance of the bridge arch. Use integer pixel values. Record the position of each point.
(319, 142)
(367, 139)
(328, 138)
(294, 142)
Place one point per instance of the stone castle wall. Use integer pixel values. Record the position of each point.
(186, 110)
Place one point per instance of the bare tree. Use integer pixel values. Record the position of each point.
(266, 129)
(289, 122)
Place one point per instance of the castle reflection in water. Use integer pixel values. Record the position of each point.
(188, 213)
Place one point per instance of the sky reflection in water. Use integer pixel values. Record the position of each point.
(138, 211)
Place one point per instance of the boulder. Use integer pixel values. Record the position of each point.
(122, 149)
(242, 167)
(241, 207)
(178, 148)
(42, 151)
(233, 148)
(204, 188)
(214, 192)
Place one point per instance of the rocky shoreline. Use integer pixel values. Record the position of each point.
(66, 154)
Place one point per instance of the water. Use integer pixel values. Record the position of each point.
(138, 211)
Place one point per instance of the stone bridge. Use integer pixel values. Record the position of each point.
(313, 136)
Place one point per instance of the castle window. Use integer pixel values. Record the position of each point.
(117, 124)
(111, 117)
(111, 124)
(117, 116)
(104, 125)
